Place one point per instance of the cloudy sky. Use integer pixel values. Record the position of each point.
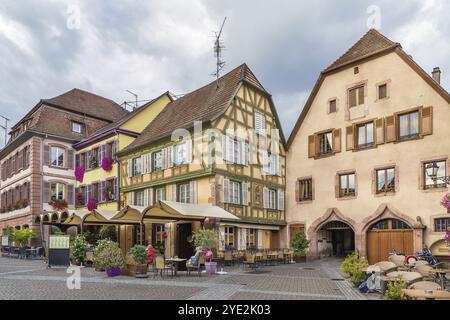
(48, 47)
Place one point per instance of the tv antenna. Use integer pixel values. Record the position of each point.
(218, 47)
(5, 128)
(135, 96)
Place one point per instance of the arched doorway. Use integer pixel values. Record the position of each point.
(335, 238)
(388, 235)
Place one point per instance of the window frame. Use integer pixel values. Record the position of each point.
(357, 96)
(183, 146)
(57, 148)
(229, 233)
(139, 197)
(379, 86)
(444, 226)
(366, 144)
(386, 189)
(320, 146)
(235, 192)
(272, 201)
(309, 189)
(436, 184)
(55, 189)
(251, 239)
(137, 166)
(184, 196)
(156, 168)
(80, 126)
(347, 194)
(409, 135)
(332, 102)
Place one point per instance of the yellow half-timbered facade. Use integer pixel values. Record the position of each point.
(220, 145)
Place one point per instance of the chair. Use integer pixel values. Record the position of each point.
(161, 267)
(228, 258)
(249, 261)
(198, 266)
(280, 257)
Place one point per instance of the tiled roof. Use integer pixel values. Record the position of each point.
(87, 103)
(203, 104)
(371, 43)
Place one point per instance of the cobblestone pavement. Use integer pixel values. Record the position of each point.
(318, 280)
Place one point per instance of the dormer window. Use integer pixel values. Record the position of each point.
(76, 127)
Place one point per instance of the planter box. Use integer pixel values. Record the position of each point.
(135, 270)
(211, 267)
(113, 272)
(299, 259)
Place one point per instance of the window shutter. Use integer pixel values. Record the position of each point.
(279, 171)
(174, 192)
(70, 195)
(349, 141)
(102, 191)
(379, 130)
(20, 160)
(337, 140)
(46, 155)
(150, 197)
(297, 190)
(390, 129)
(224, 148)
(130, 198)
(114, 149)
(70, 159)
(226, 190)
(46, 192)
(169, 157)
(246, 153)
(280, 200)
(243, 153)
(266, 198)
(102, 153)
(265, 161)
(245, 186)
(193, 191)
(130, 167)
(189, 151)
(115, 188)
(312, 146)
(87, 159)
(426, 121)
(77, 161)
(149, 162)
(146, 199)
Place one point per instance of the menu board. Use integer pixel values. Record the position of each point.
(5, 241)
(59, 242)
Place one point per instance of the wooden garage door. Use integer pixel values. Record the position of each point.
(382, 241)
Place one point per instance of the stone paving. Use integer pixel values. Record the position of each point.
(318, 280)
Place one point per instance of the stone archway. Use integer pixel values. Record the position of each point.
(387, 211)
(332, 214)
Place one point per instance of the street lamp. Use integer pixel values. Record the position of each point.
(432, 171)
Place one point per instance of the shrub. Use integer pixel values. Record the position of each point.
(394, 290)
(205, 238)
(300, 243)
(79, 248)
(23, 236)
(353, 265)
(109, 255)
(107, 232)
(139, 254)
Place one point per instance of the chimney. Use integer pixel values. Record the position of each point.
(436, 74)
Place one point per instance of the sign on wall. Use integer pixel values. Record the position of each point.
(59, 242)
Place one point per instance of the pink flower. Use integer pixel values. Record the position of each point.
(92, 204)
(79, 173)
(107, 164)
(445, 202)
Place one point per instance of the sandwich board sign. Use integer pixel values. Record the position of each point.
(5, 241)
(58, 250)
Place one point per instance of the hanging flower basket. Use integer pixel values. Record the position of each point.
(79, 174)
(445, 202)
(107, 164)
(92, 204)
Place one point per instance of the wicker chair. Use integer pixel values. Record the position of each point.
(249, 261)
(161, 267)
(228, 258)
(189, 266)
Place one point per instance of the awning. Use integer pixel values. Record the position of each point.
(250, 226)
(197, 210)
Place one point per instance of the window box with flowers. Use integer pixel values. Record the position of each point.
(107, 164)
(58, 204)
(93, 162)
(24, 203)
(79, 174)
(445, 202)
(79, 199)
(92, 204)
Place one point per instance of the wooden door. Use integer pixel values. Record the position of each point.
(381, 242)
(185, 249)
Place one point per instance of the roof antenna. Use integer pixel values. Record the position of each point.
(135, 96)
(218, 47)
(5, 128)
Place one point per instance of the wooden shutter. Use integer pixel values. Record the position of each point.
(391, 133)
(169, 159)
(70, 159)
(70, 195)
(130, 167)
(115, 188)
(312, 146)
(77, 161)
(266, 198)
(114, 149)
(245, 186)
(226, 190)
(130, 198)
(350, 137)
(174, 192)
(361, 95)
(426, 121)
(297, 190)
(379, 131)
(46, 155)
(193, 191)
(224, 147)
(19, 160)
(280, 200)
(26, 157)
(337, 140)
(189, 151)
(102, 191)
(46, 192)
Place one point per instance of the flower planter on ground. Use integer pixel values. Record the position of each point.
(211, 267)
(113, 272)
(299, 259)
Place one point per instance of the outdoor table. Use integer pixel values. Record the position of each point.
(441, 274)
(427, 294)
(402, 275)
(176, 262)
(30, 252)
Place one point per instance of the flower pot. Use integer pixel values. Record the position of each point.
(211, 267)
(113, 272)
(98, 268)
(141, 271)
(299, 259)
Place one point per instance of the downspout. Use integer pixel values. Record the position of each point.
(118, 187)
(44, 243)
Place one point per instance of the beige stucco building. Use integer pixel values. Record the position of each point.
(357, 157)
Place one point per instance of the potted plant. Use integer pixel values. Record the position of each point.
(107, 193)
(93, 162)
(299, 244)
(25, 203)
(22, 237)
(92, 204)
(207, 240)
(101, 244)
(445, 202)
(353, 266)
(107, 164)
(58, 204)
(110, 258)
(17, 205)
(79, 173)
(139, 255)
(79, 248)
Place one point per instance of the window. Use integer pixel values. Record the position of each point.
(251, 239)
(365, 135)
(356, 96)
(441, 224)
(139, 198)
(305, 190)
(184, 193)
(235, 192)
(385, 180)
(159, 194)
(390, 224)
(409, 125)
(76, 127)
(159, 229)
(57, 157)
(382, 91)
(272, 199)
(355, 70)
(441, 173)
(157, 161)
(137, 166)
(229, 237)
(325, 143)
(57, 191)
(260, 123)
(347, 185)
(332, 106)
(180, 154)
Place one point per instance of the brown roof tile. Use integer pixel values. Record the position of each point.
(203, 104)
